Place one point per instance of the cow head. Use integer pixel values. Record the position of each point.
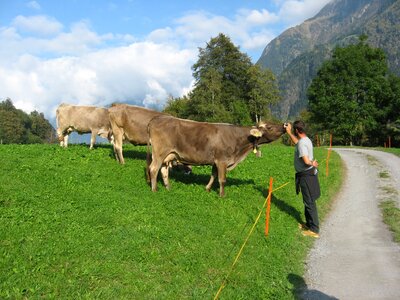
(267, 132)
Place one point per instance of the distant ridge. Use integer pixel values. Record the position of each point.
(296, 55)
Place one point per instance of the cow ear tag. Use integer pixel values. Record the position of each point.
(256, 133)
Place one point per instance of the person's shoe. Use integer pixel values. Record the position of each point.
(310, 233)
(303, 226)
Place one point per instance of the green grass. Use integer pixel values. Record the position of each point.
(395, 151)
(74, 224)
(384, 174)
(391, 216)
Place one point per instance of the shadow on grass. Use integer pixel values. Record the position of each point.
(203, 179)
(300, 290)
(127, 154)
(133, 154)
(178, 174)
(282, 205)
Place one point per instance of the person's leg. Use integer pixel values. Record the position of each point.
(310, 208)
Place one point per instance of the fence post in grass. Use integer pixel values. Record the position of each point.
(268, 206)
(390, 142)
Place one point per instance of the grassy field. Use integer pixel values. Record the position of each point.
(76, 225)
(395, 151)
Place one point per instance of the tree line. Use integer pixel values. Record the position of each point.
(18, 127)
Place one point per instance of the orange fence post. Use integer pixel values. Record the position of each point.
(268, 206)
(390, 142)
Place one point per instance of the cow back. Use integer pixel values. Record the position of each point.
(198, 142)
(83, 119)
(133, 120)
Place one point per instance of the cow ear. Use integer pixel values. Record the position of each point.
(256, 133)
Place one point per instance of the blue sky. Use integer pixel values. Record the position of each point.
(140, 52)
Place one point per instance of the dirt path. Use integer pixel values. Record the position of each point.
(355, 257)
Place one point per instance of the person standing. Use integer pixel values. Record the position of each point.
(306, 176)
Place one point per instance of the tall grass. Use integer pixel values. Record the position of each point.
(76, 225)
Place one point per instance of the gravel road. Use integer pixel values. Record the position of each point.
(355, 257)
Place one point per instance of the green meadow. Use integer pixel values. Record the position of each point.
(74, 224)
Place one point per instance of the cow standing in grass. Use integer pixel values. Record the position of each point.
(129, 122)
(82, 119)
(198, 143)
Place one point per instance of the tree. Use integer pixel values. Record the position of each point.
(178, 107)
(351, 94)
(18, 127)
(220, 80)
(41, 128)
(228, 87)
(12, 124)
(262, 91)
(393, 118)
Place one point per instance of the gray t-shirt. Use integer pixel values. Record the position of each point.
(303, 147)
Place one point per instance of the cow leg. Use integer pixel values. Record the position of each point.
(65, 142)
(118, 136)
(164, 173)
(213, 175)
(93, 139)
(154, 168)
(221, 179)
(61, 139)
(60, 135)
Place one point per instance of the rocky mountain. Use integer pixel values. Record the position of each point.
(296, 55)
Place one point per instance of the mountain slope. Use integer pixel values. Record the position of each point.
(296, 55)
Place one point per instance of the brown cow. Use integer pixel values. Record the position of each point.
(129, 122)
(196, 143)
(83, 119)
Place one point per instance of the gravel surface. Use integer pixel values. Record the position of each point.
(355, 256)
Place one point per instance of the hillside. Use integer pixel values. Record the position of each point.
(296, 55)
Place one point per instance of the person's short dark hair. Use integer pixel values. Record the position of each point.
(300, 126)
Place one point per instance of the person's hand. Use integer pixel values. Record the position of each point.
(315, 163)
(288, 128)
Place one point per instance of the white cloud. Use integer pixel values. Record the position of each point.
(41, 25)
(162, 35)
(294, 12)
(33, 4)
(258, 40)
(79, 39)
(194, 29)
(141, 73)
(256, 17)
